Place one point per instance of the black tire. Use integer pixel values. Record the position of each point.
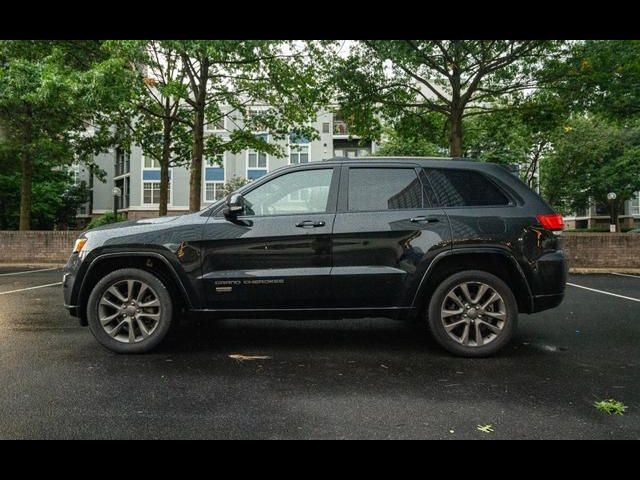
(437, 327)
(165, 314)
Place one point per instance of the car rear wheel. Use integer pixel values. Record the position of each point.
(129, 311)
(473, 314)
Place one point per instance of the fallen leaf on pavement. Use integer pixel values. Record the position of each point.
(485, 428)
(242, 358)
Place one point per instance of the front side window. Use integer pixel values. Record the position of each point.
(293, 193)
(374, 189)
(464, 188)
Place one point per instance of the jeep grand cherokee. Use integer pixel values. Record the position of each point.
(461, 245)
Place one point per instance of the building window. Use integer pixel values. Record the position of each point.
(298, 149)
(216, 125)
(257, 159)
(325, 127)
(151, 163)
(216, 160)
(151, 193)
(214, 179)
(298, 153)
(213, 191)
(122, 165)
(634, 207)
(257, 162)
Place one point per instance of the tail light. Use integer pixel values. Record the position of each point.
(551, 221)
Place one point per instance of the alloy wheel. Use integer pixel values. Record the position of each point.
(129, 311)
(473, 314)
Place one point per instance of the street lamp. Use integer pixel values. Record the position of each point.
(116, 195)
(613, 222)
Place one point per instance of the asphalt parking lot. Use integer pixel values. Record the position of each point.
(369, 378)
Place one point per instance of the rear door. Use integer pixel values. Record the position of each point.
(385, 235)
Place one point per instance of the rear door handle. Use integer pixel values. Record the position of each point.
(310, 224)
(423, 219)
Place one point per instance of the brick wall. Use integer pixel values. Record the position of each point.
(602, 250)
(583, 250)
(36, 246)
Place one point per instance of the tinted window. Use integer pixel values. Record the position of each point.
(464, 188)
(384, 189)
(300, 192)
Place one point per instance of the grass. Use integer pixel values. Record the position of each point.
(611, 406)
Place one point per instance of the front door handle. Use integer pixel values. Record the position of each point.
(310, 224)
(423, 219)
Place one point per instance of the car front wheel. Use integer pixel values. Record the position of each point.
(473, 314)
(129, 311)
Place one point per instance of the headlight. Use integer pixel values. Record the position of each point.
(79, 245)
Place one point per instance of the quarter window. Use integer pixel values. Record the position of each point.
(464, 188)
(293, 193)
(373, 189)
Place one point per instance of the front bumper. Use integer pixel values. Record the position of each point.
(69, 275)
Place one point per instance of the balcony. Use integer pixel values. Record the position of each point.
(341, 129)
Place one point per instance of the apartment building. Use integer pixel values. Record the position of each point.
(597, 216)
(138, 178)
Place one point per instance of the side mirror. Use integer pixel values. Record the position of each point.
(235, 205)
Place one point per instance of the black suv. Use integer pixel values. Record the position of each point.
(461, 245)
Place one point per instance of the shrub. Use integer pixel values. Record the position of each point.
(105, 219)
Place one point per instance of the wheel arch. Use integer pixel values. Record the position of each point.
(151, 262)
(493, 260)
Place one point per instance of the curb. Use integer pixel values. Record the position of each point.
(605, 270)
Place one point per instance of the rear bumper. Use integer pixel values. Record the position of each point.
(550, 279)
(545, 302)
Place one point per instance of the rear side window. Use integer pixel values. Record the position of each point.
(464, 188)
(372, 189)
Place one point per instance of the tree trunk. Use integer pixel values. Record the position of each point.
(26, 163)
(164, 168)
(455, 134)
(195, 182)
(457, 108)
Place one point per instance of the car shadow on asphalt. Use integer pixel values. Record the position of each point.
(371, 335)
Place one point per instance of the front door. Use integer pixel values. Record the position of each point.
(385, 235)
(277, 253)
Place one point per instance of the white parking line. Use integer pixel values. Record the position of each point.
(625, 275)
(30, 288)
(28, 271)
(606, 293)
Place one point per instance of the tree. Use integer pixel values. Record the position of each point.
(601, 76)
(55, 197)
(592, 158)
(225, 79)
(454, 78)
(50, 92)
(155, 118)
(521, 135)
